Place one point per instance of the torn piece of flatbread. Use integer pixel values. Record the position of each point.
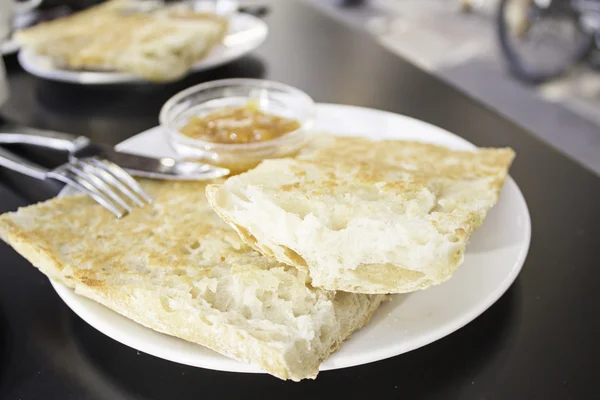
(366, 216)
(175, 267)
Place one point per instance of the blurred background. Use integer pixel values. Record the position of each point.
(534, 61)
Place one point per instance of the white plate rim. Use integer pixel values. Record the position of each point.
(42, 66)
(77, 303)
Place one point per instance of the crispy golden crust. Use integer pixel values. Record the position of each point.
(175, 267)
(361, 161)
(437, 197)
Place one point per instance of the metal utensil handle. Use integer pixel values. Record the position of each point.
(43, 138)
(19, 164)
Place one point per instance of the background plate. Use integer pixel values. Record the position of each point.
(246, 33)
(492, 262)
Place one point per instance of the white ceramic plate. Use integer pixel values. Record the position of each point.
(246, 33)
(492, 262)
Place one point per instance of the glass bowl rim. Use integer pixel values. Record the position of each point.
(259, 83)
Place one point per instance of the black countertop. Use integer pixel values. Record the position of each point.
(539, 341)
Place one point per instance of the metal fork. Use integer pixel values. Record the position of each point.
(102, 180)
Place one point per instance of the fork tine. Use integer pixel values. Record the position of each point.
(110, 179)
(80, 184)
(89, 173)
(123, 176)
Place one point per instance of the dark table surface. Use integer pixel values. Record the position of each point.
(541, 340)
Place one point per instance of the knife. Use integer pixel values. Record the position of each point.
(81, 146)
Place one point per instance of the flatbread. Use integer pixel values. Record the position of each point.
(159, 46)
(366, 216)
(175, 267)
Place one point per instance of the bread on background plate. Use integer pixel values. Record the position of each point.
(160, 46)
(366, 216)
(176, 267)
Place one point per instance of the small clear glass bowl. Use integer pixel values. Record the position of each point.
(270, 97)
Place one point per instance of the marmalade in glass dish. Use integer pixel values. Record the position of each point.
(240, 125)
